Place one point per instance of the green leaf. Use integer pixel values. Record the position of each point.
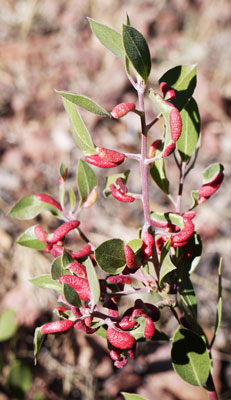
(112, 179)
(138, 333)
(101, 331)
(137, 51)
(79, 130)
(8, 326)
(29, 239)
(86, 180)
(219, 305)
(131, 396)
(38, 342)
(170, 218)
(183, 79)
(46, 282)
(189, 137)
(158, 173)
(19, 379)
(66, 259)
(72, 198)
(190, 357)
(93, 282)
(29, 207)
(57, 269)
(84, 102)
(110, 256)
(211, 172)
(188, 296)
(167, 266)
(71, 296)
(108, 37)
(136, 245)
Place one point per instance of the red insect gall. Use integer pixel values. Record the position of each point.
(96, 160)
(83, 252)
(118, 195)
(119, 279)
(149, 328)
(156, 145)
(40, 233)
(130, 258)
(78, 269)
(62, 231)
(168, 91)
(45, 198)
(80, 284)
(120, 340)
(210, 188)
(148, 242)
(57, 326)
(122, 109)
(110, 155)
(175, 124)
(169, 149)
(181, 238)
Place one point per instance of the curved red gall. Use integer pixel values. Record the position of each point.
(40, 233)
(122, 109)
(148, 242)
(181, 238)
(45, 198)
(120, 340)
(83, 252)
(118, 195)
(130, 257)
(210, 188)
(80, 284)
(97, 161)
(78, 269)
(169, 149)
(175, 124)
(119, 279)
(57, 326)
(168, 91)
(149, 328)
(110, 155)
(62, 231)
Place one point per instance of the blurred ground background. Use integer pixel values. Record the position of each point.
(47, 45)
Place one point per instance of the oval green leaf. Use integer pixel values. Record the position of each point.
(211, 172)
(108, 37)
(84, 102)
(29, 239)
(110, 256)
(166, 268)
(38, 341)
(29, 207)
(71, 296)
(188, 296)
(189, 137)
(46, 282)
(190, 357)
(86, 180)
(137, 51)
(8, 326)
(183, 79)
(79, 129)
(93, 282)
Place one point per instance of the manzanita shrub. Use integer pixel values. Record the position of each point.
(166, 250)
